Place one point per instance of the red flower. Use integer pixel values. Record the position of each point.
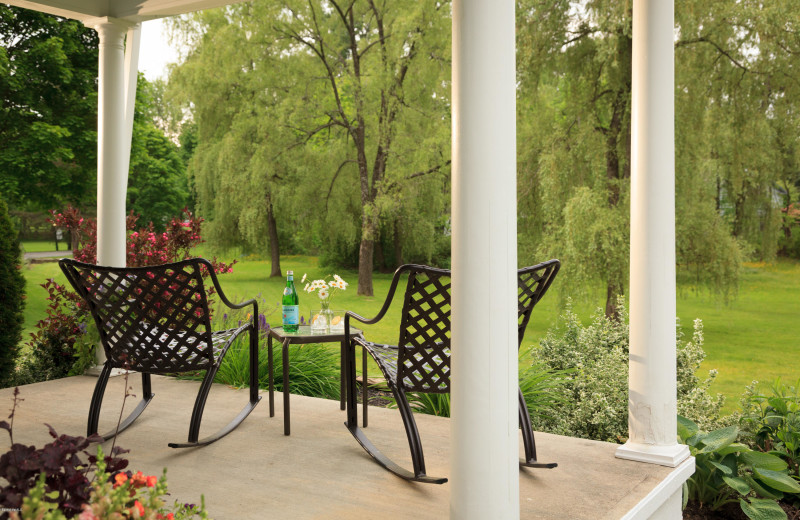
(138, 480)
(138, 505)
(120, 479)
(152, 481)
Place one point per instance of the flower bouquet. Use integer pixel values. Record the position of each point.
(325, 319)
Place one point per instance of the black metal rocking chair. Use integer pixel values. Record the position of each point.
(421, 362)
(155, 320)
(532, 283)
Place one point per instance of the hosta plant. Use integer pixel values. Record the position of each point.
(770, 422)
(728, 472)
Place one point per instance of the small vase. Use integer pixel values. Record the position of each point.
(321, 320)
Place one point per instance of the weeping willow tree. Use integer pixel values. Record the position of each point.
(736, 136)
(379, 72)
(574, 127)
(321, 123)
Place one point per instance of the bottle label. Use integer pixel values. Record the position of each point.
(291, 314)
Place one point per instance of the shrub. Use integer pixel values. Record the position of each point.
(12, 287)
(727, 472)
(542, 388)
(597, 384)
(770, 422)
(60, 345)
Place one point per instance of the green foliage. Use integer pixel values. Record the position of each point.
(341, 153)
(543, 390)
(574, 145)
(313, 368)
(12, 287)
(157, 184)
(729, 472)
(597, 384)
(48, 73)
(770, 422)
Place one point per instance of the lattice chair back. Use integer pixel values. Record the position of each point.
(423, 363)
(532, 284)
(151, 319)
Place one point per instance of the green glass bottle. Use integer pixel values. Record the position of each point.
(291, 305)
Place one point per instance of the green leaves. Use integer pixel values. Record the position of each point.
(758, 509)
(777, 480)
(725, 469)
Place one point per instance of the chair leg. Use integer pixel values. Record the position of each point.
(364, 388)
(527, 438)
(414, 443)
(97, 403)
(202, 396)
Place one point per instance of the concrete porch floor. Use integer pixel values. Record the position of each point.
(320, 471)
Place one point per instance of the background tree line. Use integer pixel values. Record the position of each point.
(323, 127)
(48, 124)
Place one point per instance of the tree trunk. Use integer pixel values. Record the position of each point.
(365, 267)
(274, 249)
(612, 292)
(365, 253)
(398, 244)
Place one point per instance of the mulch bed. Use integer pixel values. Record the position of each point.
(730, 512)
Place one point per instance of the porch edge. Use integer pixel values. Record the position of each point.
(650, 504)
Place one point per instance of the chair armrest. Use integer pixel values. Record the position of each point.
(222, 296)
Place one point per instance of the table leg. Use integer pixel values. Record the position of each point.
(271, 378)
(342, 369)
(286, 417)
(352, 403)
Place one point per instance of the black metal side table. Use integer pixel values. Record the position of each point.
(302, 337)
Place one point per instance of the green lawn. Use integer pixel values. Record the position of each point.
(35, 246)
(756, 336)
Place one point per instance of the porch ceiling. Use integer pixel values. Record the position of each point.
(133, 10)
(319, 471)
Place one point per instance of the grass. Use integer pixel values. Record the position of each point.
(755, 336)
(36, 246)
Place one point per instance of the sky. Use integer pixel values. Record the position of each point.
(155, 53)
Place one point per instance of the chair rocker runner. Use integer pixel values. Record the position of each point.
(421, 361)
(156, 320)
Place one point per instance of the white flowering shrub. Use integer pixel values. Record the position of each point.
(597, 386)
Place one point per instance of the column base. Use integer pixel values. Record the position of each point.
(670, 456)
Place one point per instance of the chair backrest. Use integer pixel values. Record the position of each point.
(151, 319)
(424, 347)
(532, 283)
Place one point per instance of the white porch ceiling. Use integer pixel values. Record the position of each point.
(133, 10)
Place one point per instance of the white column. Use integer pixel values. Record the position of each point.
(112, 173)
(652, 404)
(484, 470)
(132, 45)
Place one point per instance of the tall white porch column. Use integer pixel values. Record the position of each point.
(112, 151)
(484, 471)
(652, 405)
(132, 45)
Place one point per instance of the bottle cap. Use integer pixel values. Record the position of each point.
(289, 273)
